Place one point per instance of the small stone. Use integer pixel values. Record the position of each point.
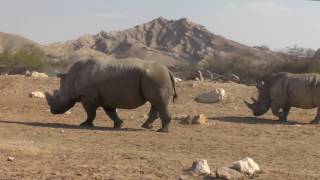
(10, 158)
(228, 173)
(181, 117)
(61, 131)
(68, 112)
(144, 116)
(37, 94)
(200, 167)
(131, 117)
(199, 119)
(246, 165)
(176, 80)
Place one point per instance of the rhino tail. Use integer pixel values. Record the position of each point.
(175, 95)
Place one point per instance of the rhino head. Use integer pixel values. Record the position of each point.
(261, 105)
(61, 100)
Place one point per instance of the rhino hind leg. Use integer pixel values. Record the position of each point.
(165, 119)
(112, 113)
(91, 109)
(153, 115)
(316, 120)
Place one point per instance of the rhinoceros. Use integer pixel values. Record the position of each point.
(112, 84)
(283, 90)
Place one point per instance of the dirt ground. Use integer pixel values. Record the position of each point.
(46, 146)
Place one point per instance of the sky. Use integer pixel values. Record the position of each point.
(274, 23)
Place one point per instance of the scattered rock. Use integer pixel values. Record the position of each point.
(200, 75)
(246, 165)
(144, 116)
(199, 119)
(131, 117)
(182, 117)
(177, 80)
(217, 95)
(36, 74)
(228, 173)
(200, 167)
(61, 131)
(68, 112)
(10, 158)
(37, 94)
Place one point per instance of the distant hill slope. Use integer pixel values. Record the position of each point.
(12, 42)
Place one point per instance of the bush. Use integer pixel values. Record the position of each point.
(30, 57)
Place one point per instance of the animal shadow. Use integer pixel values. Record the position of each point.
(251, 120)
(67, 126)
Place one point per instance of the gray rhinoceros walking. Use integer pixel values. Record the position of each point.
(281, 91)
(112, 84)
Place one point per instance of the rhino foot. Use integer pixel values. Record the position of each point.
(118, 125)
(165, 130)
(147, 126)
(315, 121)
(87, 124)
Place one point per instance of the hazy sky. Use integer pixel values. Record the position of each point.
(275, 23)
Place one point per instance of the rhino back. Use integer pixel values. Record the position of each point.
(304, 90)
(297, 90)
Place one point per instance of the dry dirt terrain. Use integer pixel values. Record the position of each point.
(46, 146)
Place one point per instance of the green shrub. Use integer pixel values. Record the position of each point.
(30, 57)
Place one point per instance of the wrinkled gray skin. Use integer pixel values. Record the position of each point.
(115, 84)
(281, 91)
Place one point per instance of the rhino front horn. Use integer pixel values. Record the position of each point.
(250, 106)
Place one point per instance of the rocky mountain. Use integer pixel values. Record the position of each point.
(171, 42)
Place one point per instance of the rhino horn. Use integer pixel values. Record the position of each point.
(250, 106)
(254, 100)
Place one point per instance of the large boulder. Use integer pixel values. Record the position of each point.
(217, 95)
(246, 165)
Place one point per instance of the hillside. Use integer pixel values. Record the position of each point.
(12, 42)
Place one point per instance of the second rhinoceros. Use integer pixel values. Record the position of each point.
(115, 84)
(281, 91)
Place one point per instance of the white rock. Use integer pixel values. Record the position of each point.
(246, 165)
(201, 167)
(37, 94)
(68, 112)
(217, 95)
(177, 80)
(10, 158)
(37, 74)
(199, 119)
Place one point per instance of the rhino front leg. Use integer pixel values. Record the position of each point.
(112, 113)
(284, 113)
(316, 120)
(275, 108)
(153, 115)
(91, 109)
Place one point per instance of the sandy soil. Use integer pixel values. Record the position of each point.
(46, 146)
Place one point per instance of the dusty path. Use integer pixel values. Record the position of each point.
(54, 147)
